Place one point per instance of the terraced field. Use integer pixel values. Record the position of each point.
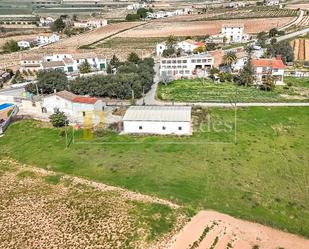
(301, 49)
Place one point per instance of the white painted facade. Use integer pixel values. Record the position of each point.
(23, 44)
(273, 67)
(161, 120)
(42, 40)
(161, 128)
(272, 2)
(46, 21)
(91, 24)
(186, 66)
(234, 33)
(67, 62)
(72, 108)
(260, 72)
(187, 46)
(54, 102)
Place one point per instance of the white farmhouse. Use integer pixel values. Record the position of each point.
(265, 67)
(186, 66)
(162, 120)
(234, 33)
(272, 2)
(72, 105)
(65, 62)
(46, 21)
(43, 40)
(187, 46)
(91, 24)
(32, 63)
(24, 44)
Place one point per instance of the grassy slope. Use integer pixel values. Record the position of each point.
(194, 90)
(262, 178)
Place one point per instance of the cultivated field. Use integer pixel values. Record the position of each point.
(201, 28)
(94, 36)
(43, 210)
(262, 178)
(207, 91)
(301, 49)
(304, 21)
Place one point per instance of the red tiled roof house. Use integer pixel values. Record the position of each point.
(264, 67)
(72, 105)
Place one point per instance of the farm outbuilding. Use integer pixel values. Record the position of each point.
(163, 120)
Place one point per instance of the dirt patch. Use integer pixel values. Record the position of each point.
(210, 228)
(40, 209)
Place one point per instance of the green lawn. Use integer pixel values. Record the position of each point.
(264, 177)
(207, 91)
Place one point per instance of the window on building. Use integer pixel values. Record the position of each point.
(179, 128)
(184, 61)
(163, 128)
(193, 61)
(140, 127)
(84, 114)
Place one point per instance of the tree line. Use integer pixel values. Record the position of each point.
(124, 80)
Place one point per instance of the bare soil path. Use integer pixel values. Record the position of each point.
(238, 233)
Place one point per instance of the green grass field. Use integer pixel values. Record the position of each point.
(264, 177)
(207, 91)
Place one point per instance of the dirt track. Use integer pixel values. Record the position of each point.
(240, 234)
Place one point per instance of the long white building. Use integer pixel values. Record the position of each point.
(187, 66)
(234, 32)
(187, 46)
(163, 120)
(65, 62)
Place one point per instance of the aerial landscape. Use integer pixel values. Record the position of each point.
(154, 124)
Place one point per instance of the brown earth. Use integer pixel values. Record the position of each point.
(201, 28)
(228, 232)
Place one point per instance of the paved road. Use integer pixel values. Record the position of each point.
(295, 21)
(292, 35)
(14, 92)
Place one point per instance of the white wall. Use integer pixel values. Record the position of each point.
(54, 101)
(150, 127)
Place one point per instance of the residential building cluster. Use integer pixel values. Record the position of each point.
(68, 63)
(90, 24)
(186, 46)
(163, 14)
(186, 66)
(40, 40)
(230, 33)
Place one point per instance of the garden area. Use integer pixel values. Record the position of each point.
(263, 177)
(199, 90)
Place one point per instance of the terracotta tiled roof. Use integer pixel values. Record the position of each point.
(85, 100)
(273, 63)
(200, 44)
(66, 95)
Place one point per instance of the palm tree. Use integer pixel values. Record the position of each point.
(229, 58)
(171, 41)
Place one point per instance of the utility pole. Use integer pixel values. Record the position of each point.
(66, 134)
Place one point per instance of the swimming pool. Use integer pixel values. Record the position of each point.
(5, 105)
